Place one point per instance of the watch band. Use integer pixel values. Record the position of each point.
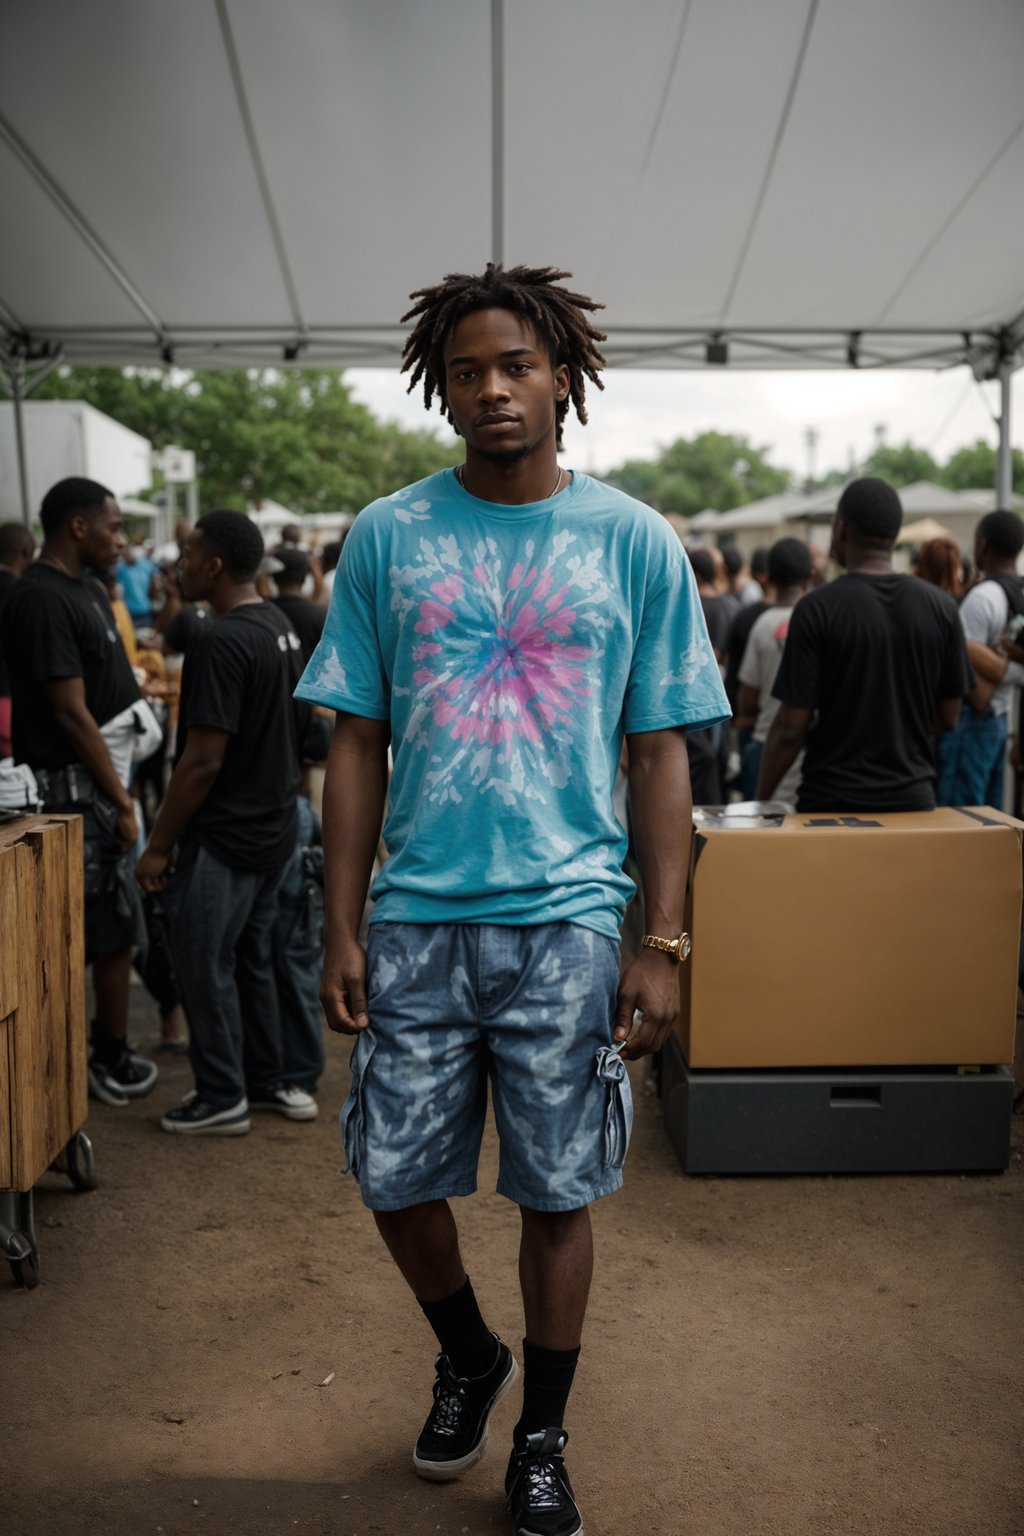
(678, 948)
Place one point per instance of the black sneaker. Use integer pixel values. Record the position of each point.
(134, 1075)
(538, 1493)
(104, 1087)
(455, 1435)
(194, 1117)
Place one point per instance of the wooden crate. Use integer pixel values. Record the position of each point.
(43, 1087)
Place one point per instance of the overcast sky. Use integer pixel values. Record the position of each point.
(639, 412)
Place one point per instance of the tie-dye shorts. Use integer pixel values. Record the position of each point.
(452, 1004)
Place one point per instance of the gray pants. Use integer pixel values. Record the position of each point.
(222, 927)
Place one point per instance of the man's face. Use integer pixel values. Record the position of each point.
(102, 537)
(198, 567)
(500, 385)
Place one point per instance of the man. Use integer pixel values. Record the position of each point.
(140, 583)
(305, 616)
(501, 625)
(70, 677)
(789, 576)
(881, 658)
(708, 751)
(230, 812)
(17, 546)
(985, 613)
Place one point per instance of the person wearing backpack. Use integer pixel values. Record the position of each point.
(987, 613)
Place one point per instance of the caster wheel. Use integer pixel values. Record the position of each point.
(26, 1271)
(81, 1163)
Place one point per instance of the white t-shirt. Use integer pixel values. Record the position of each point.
(761, 658)
(984, 615)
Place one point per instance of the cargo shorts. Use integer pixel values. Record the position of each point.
(451, 1005)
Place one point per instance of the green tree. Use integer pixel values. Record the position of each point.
(901, 464)
(296, 437)
(714, 469)
(974, 468)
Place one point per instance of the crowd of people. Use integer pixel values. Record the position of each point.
(151, 692)
(885, 692)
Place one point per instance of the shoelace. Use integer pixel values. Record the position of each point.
(449, 1402)
(544, 1488)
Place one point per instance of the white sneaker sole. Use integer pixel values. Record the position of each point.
(99, 1091)
(447, 1471)
(309, 1113)
(211, 1128)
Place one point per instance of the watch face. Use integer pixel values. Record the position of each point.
(684, 947)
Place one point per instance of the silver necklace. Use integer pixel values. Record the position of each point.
(460, 478)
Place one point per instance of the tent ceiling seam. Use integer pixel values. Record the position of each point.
(666, 89)
(249, 128)
(55, 192)
(931, 244)
(780, 133)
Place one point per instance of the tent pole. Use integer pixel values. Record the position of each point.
(1004, 462)
(17, 399)
(498, 130)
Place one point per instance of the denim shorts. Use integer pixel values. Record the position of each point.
(450, 1005)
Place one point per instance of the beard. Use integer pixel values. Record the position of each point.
(505, 455)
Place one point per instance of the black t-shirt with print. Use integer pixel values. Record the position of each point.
(56, 626)
(239, 676)
(873, 655)
(190, 620)
(307, 620)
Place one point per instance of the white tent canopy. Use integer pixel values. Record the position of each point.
(241, 182)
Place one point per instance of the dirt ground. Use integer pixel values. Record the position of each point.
(762, 1358)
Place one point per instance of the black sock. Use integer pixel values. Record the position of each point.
(547, 1382)
(461, 1332)
(106, 1048)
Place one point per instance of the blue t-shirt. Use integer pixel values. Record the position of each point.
(510, 647)
(136, 578)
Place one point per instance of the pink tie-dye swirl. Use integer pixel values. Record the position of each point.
(499, 665)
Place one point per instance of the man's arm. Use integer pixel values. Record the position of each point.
(748, 705)
(661, 808)
(786, 737)
(191, 782)
(355, 789)
(71, 713)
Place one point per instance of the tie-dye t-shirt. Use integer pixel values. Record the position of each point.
(510, 647)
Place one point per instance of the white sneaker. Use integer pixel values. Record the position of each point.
(293, 1103)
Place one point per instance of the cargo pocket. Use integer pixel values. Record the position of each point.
(618, 1105)
(353, 1111)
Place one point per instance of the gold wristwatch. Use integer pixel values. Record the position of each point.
(679, 948)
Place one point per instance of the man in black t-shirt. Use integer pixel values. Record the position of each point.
(70, 676)
(230, 811)
(17, 546)
(306, 617)
(880, 659)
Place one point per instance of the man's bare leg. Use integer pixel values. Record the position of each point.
(423, 1240)
(556, 1265)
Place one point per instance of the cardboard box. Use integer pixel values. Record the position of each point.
(897, 1120)
(886, 940)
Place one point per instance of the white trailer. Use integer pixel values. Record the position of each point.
(64, 438)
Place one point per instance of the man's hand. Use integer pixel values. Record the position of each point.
(650, 986)
(152, 871)
(1009, 648)
(127, 828)
(343, 993)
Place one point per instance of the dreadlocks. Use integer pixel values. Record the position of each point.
(556, 314)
